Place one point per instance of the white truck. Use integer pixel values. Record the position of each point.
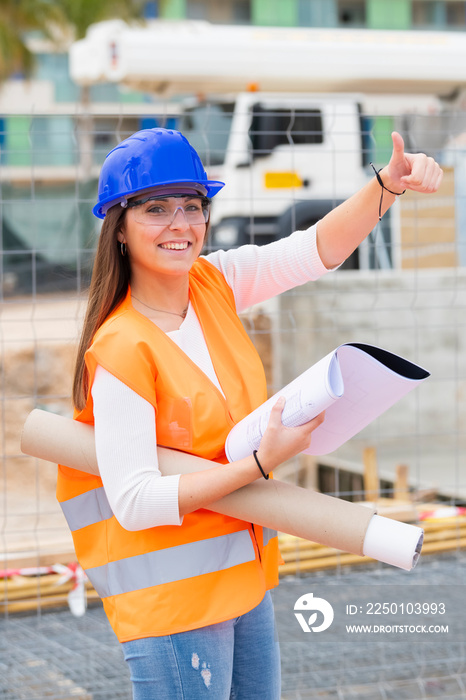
(287, 160)
(268, 116)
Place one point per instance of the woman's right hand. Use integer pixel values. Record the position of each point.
(280, 443)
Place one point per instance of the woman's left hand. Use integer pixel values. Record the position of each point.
(408, 171)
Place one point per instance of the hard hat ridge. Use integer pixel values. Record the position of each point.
(147, 159)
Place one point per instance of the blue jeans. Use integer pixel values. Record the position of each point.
(234, 660)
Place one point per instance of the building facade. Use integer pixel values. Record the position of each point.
(372, 14)
(54, 136)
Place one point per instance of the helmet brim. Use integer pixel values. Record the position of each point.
(212, 188)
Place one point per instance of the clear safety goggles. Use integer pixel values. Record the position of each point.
(161, 211)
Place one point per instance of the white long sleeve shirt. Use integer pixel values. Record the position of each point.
(125, 432)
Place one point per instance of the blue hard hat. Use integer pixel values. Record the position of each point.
(150, 158)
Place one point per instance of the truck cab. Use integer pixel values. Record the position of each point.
(298, 147)
(286, 160)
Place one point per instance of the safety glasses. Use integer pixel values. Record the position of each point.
(161, 211)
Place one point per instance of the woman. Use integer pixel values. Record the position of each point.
(164, 359)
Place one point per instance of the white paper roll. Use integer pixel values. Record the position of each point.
(392, 542)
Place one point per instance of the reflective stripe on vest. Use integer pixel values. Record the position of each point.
(172, 564)
(87, 509)
(93, 507)
(267, 535)
(161, 566)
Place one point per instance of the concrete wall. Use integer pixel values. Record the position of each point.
(417, 314)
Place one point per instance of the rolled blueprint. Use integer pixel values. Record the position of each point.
(353, 384)
(273, 504)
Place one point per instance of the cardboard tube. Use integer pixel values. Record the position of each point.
(274, 504)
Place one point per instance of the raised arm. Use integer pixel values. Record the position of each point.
(341, 231)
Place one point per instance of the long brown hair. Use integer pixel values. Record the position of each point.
(109, 285)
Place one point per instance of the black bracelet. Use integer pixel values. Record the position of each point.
(266, 476)
(379, 180)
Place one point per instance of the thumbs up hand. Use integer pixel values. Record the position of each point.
(407, 171)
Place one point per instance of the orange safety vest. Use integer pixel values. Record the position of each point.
(212, 568)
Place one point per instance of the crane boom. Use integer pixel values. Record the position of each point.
(166, 56)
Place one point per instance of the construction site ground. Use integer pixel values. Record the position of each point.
(55, 656)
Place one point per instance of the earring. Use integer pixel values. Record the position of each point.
(123, 249)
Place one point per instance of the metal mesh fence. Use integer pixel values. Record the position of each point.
(404, 289)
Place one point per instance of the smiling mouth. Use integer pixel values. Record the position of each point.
(175, 246)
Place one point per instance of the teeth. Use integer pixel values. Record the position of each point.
(174, 246)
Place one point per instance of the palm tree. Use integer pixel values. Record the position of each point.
(54, 19)
(80, 14)
(59, 21)
(17, 17)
